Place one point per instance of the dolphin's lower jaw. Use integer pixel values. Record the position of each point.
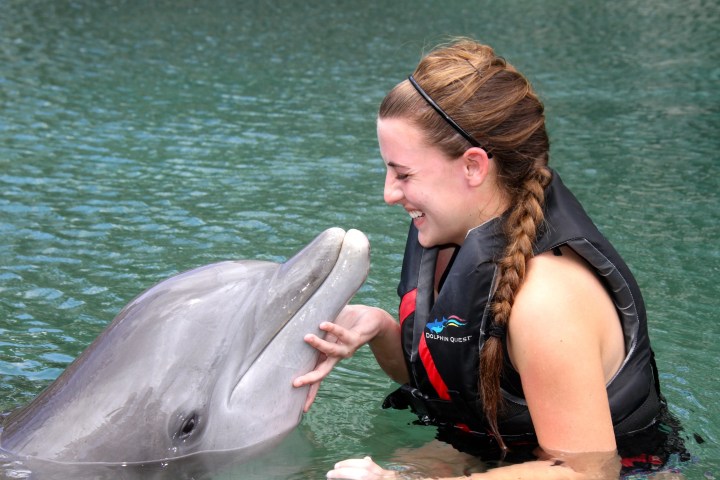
(201, 362)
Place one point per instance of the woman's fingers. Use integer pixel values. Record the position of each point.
(338, 342)
(342, 339)
(311, 396)
(322, 369)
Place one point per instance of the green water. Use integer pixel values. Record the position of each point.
(139, 139)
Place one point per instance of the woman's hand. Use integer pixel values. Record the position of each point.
(366, 469)
(361, 469)
(354, 327)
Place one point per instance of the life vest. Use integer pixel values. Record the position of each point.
(441, 338)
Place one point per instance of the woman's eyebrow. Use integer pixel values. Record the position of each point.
(395, 165)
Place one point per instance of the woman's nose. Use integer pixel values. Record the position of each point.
(391, 194)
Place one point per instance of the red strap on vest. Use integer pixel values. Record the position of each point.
(432, 371)
(407, 304)
(407, 307)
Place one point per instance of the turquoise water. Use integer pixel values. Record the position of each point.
(140, 139)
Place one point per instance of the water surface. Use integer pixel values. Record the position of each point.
(141, 139)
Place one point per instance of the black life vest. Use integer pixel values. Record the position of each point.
(441, 338)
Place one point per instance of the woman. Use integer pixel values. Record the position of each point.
(520, 325)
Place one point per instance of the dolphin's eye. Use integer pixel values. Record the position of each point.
(188, 426)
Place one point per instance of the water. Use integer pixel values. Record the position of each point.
(140, 139)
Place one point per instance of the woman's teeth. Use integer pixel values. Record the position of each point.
(416, 214)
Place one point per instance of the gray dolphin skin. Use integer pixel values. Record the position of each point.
(201, 362)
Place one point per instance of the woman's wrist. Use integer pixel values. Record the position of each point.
(386, 325)
(386, 346)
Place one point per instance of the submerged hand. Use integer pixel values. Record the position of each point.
(361, 469)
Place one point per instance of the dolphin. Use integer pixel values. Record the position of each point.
(202, 362)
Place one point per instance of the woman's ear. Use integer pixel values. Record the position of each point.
(476, 164)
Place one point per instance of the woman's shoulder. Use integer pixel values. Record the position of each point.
(557, 279)
(561, 308)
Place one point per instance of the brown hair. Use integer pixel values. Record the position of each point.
(495, 104)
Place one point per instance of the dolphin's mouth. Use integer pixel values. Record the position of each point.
(311, 287)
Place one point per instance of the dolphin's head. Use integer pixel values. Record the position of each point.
(200, 362)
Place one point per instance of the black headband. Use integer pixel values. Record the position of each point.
(445, 116)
